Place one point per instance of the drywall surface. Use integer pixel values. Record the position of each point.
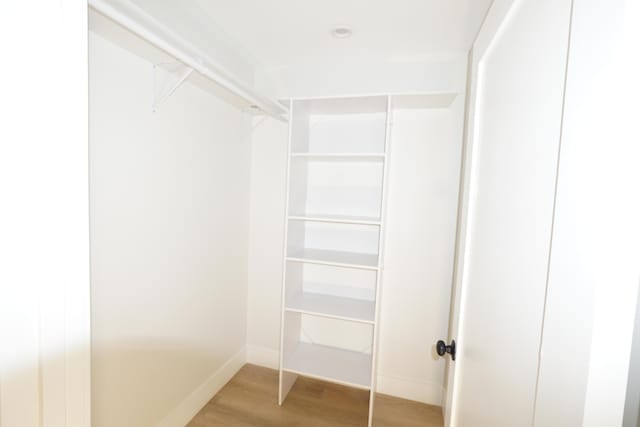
(169, 243)
(268, 180)
(421, 214)
(422, 203)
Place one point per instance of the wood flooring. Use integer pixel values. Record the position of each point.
(251, 399)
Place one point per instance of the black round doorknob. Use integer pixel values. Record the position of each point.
(442, 348)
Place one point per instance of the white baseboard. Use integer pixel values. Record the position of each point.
(425, 392)
(263, 356)
(189, 407)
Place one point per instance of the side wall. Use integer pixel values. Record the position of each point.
(420, 232)
(268, 180)
(169, 220)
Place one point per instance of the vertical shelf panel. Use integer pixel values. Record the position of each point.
(374, 358)
(286, 379)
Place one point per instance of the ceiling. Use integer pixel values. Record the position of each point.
(284, 48)
(282, 32)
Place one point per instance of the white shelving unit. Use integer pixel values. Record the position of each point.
(337, 167)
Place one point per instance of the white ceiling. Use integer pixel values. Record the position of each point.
(282, 32)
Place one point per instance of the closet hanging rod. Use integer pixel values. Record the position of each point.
(140, 23)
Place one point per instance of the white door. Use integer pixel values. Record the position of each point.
(517, 74)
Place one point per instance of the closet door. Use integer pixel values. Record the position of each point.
(512, 142)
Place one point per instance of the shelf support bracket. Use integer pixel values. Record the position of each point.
(161, 94)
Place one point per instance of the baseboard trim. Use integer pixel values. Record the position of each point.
(405, 388)
(263, 356)
(189, 407)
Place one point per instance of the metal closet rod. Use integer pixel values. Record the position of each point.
(140, 23)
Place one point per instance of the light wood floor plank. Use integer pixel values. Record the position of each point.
(250, 399)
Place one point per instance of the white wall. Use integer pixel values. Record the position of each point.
(169, 243)
(268, 180)
(44, 221)
(422, 203)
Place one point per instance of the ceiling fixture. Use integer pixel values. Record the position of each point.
(341, 32)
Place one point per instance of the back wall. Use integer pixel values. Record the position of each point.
(420, 233)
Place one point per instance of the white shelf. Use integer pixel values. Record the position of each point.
(351, 157)
(329, 364)
(339, 219)
(335, 258)
(423, 101)
(344, 105)
(336, 307)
